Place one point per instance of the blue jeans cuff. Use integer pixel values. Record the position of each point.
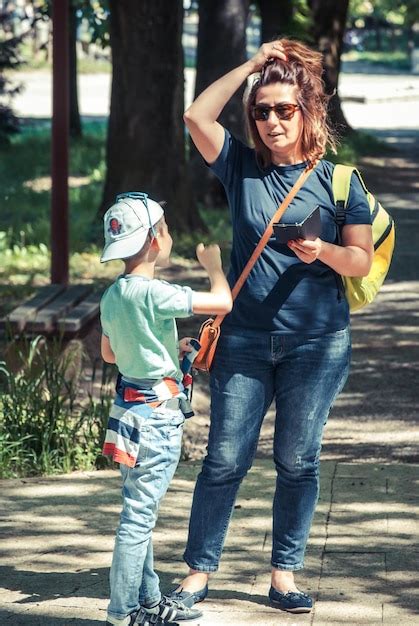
(206, 569)
(150, 601)
(288, 568)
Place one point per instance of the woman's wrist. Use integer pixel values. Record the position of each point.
(251, 67)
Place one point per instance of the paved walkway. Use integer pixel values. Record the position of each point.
(391, 98)
(361, 564)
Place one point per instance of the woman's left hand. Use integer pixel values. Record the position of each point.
(306, 249)
(271, 50)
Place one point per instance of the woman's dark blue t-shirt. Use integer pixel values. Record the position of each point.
(283, 294)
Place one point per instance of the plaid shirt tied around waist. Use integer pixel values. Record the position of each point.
(132, 404)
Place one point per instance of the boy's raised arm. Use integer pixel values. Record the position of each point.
(218, 300)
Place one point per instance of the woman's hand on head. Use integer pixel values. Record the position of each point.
(306, 249)
(271, 50)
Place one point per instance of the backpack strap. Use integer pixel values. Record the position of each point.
(341, 184)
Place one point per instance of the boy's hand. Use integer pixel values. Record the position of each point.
(184, 346)
(209, 256)
(218, 300)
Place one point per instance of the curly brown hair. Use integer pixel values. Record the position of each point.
(302, 68)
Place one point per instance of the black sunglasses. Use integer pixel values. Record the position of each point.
(283, 111)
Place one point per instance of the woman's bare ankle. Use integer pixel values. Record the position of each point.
(194, 581)
(283, 580)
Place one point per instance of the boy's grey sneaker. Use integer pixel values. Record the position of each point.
(139, 618)
(169, 610)
(142, 618)
(145, 619)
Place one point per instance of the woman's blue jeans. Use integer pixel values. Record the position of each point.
(250, 368)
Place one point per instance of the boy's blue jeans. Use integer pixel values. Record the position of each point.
(133, 580)
(250, 368)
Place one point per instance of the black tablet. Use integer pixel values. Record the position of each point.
(309, 228)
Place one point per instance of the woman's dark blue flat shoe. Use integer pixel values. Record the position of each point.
(293, 601)
(189, 598)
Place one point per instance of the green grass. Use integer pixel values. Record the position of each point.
(395, 60)
(357, 145)
(25, 186)
(85, 65)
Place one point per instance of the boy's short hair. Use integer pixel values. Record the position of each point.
(127, 224)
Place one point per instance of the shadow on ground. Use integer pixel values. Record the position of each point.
(58, 539)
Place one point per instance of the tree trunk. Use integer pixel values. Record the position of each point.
(146, 142)
(221, 47)
(75, 122)
(276, 18)
(329, 22)
(378, 32)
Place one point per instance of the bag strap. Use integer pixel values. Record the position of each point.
(266, 236)
(341, 184)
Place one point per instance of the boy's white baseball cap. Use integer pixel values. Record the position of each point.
(127, 223)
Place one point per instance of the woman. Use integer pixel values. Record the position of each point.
(288, 335)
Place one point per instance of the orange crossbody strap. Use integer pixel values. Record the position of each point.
(266, 236)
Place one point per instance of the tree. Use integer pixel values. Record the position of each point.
(329, 22)
(396, 13)
(95, 12)
(146, 142)
(276, 18)
(75, 121)
(221, 47)
(9, 60)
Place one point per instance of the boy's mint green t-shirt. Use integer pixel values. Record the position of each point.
(138, 316)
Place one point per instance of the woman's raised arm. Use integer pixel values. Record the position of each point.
(201, 117)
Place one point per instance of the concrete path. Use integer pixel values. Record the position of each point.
(361, 565)
(392, 99)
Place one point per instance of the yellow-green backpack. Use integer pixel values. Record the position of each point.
(362, 290)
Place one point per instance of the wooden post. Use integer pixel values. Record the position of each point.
(60, 133)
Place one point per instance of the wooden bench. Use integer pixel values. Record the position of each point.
(55, 309)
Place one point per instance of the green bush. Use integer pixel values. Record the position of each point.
(396, 60)
(219, 231)
(356, 145)
(48, 423)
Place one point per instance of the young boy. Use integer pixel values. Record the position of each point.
(145, 426)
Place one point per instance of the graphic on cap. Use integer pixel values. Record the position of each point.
(126, 225)
(114, 226)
